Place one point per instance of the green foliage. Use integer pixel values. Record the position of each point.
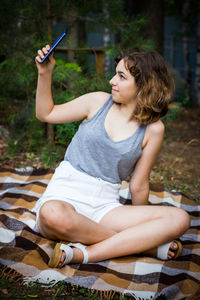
(65, 72)
(183, 98)
(130, 31)
(65, 132)
(25, 134)
(69, 82)
(35, 132)
(24, 29)
(17, 86)
(17, 76)
(172, 115)
(50, 154)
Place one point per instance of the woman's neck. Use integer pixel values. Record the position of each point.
(126, 110)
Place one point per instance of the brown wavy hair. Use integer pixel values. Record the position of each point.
(155, 85)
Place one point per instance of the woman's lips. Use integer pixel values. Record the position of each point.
(114, 91)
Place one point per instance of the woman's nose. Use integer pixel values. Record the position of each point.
(113, 81)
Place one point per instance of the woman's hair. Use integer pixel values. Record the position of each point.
(154, 83)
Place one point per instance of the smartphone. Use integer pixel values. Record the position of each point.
(54, 45)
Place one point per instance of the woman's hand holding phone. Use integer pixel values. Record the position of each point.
(44, 59)
(48, 65)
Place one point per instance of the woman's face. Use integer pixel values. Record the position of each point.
(123, 84)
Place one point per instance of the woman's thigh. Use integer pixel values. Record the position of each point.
(60, 220)
(54, 214)
(123, 217)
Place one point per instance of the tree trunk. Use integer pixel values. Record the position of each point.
(154, 10)
(186, 49)
(197, 72)
(81, 58)
(50, 128)
(49, 22)
(72, 41)
(106, 40)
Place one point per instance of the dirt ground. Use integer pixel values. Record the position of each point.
(178, 165)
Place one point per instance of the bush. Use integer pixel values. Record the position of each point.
(18, 101)
(68, 83)
(50, 154)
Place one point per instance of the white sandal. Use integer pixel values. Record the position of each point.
(161, 252)
(57, 253)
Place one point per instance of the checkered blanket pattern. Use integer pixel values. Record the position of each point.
(27, 252)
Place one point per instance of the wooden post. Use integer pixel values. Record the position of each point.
(99, 61)
(49, 23)
(97, 51)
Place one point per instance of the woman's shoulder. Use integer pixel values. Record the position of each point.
(156, 128)
(154, 132)
(99, 97)
(96, 101)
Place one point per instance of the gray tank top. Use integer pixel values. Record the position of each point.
(93, 152)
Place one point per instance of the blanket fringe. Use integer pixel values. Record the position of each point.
(8, 273)
(106, 294)
(11, 274)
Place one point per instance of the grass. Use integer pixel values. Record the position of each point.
(12, 287)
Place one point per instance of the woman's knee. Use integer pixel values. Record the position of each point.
(180, 220)
(57, 216)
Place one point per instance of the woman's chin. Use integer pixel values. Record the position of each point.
(115, 98)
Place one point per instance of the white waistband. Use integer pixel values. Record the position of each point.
(85, 175)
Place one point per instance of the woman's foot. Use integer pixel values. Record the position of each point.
(77, 257)
(78, 254)
(65, 253)
(166, 251)
(173, 250)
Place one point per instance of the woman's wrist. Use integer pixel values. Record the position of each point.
(45, 73)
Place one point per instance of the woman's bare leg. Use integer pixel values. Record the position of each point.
(123, 231)
(59, 220)
(137, 239)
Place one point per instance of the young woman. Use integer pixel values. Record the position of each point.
(121, 135)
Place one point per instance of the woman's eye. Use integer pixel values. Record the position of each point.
(122, 77)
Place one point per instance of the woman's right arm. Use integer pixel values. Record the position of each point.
(44, 100)
(77, 109)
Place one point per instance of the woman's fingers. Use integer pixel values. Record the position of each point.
(46, 49)
(43, 52)
(50, 63)
(40, 54)
(38, 59)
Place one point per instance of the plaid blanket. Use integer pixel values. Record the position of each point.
(27, 252)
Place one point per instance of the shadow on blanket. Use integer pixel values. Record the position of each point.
(27, 252)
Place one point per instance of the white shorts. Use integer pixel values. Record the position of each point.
(90, 196)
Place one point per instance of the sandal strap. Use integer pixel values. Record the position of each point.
(68, 252)
(162, 251)
(82, 247)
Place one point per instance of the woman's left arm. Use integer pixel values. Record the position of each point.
(139, 183)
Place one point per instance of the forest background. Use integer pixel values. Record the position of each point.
(26, 26)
